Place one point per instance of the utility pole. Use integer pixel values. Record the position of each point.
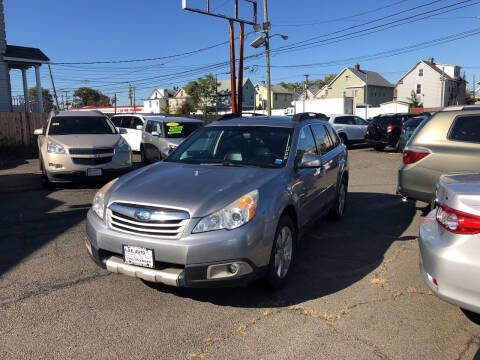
(129, 95)
(442, 102)
(266, 27)
(305, 89)
(366, 95)
(474, 90)
(216, 95)
(115, 102)
(53, 86)
(134, 99)
(66, 99)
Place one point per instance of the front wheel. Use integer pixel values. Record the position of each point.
(282, 255)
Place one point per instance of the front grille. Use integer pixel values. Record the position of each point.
(94, 151)
(92, 161)
(163, 223)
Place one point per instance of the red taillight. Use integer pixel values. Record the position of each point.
(457, 222)
(412, 156)
(390, 128)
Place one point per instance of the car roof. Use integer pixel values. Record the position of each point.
(273, 121)
(79, 113)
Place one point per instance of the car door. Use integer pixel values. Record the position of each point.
(306, 185)
(330, 162)
(127, 125)
(360, 128)
(147, 139)
(157, 140)
(135, 135)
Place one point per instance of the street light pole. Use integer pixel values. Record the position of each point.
(267, 58)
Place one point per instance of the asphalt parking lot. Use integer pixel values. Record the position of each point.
(355, 293)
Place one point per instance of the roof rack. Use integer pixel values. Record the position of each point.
(308, 116)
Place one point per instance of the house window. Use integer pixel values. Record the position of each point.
(420, 72)
(356, 93)
(326, 92)
(344, 93)
(347, 78)
(419, 88)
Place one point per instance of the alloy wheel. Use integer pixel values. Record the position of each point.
(283, 252)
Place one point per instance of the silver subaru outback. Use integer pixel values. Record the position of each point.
(226, 207)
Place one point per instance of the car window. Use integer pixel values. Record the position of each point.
(149, 126)
(117, 120)
(341, 120)
(466, 128)
(179, 129)
(324, 143)
(333, 136)
(262, 146)
(127, 122)
(76, 125)
(157, 126)
(136, 122)
(359, 121)
(306, 143)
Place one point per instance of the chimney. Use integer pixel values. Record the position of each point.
(3, 37)
(357, 67)
(430, 61)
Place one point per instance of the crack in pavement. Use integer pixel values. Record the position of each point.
(5, 302)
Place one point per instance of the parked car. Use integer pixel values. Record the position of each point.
(448, 142)
(80, 145)
(350, 128)
(132, 125)
(226, 207)
(461, 107)
(408, 129)
(384, 130)
(449, 242)
(162, 134)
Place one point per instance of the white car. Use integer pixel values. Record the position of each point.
(350, 128)
(133, 124)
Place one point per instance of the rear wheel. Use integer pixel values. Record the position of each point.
(282, 255)
(379, 147)
(336, 213)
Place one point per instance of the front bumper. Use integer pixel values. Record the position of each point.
(62, 168)
(187, 262)
(453, 261)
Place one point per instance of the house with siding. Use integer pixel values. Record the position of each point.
(364, 86)
(224, 88)
(176, 102)
(436, 85)
(281, 98)
(158, 100)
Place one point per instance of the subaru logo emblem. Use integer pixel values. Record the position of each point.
(143, 215)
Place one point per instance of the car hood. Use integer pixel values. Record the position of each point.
(199, 189)
(86, 140)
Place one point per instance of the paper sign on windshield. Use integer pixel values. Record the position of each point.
(174, 128)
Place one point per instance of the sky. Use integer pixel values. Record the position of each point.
(323, 38)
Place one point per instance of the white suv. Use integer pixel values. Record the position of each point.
(133, 124)
(350, 128)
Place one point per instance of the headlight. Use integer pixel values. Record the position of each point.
(234, 215)
(122, 146)
(98, 205)
(53, 148)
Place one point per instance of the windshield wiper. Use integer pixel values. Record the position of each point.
(223, 163)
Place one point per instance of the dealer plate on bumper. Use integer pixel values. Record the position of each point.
(138, 256)
(94, 172)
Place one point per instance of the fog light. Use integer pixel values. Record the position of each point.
(233, 268)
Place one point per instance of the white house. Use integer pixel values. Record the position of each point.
(436, 85)
(157, 100)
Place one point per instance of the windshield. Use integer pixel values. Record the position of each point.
(262, 146)
(176, 129)
(74, 125)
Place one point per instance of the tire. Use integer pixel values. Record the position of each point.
(344, 139)
(45, 182)
(473, 317)
(283, 254)
(379, 147)
(338, 208)
(143, 156)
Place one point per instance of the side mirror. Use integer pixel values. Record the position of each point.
(170, 150)
(309, 161)
(38, 131)
(123, 131)
(139, 127)
(154, 133)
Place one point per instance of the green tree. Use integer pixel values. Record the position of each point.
(322, 82)
(414, 100)
(166, 108)
(47, 98)
(203, 93)
(90, 97)
(185, 108)
(259, 106)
